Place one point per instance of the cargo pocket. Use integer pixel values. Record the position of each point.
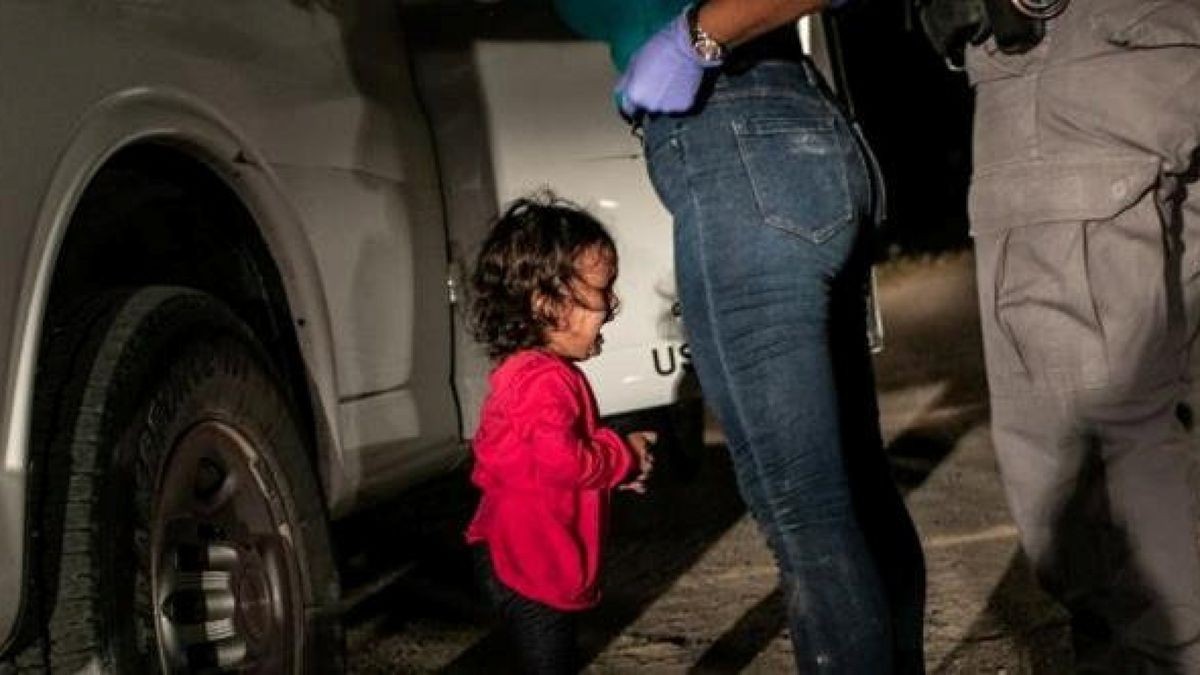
(1037, 192)
(1034, 224)
(797, 169)
(1045, 309)
(1150, 24)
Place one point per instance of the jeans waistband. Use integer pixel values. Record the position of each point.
(765, 78)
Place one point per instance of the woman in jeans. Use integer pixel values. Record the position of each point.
(772, 201)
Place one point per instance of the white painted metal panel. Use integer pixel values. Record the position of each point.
(557, 128)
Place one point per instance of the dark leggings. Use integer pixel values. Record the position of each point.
(544, 636)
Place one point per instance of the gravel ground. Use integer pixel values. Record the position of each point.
(690, 584)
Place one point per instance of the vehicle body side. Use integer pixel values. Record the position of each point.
(316, 134)
(358, 172)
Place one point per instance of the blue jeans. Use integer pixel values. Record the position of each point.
(771, 197)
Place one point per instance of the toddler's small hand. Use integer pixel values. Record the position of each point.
(640, 442)
(637, 485)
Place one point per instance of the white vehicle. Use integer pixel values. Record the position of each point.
(234, 235)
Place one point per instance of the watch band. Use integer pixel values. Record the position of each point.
(706, 47)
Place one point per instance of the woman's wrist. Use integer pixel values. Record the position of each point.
(735, 22)
(707, 48)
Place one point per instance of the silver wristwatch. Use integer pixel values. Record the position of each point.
(706, 46)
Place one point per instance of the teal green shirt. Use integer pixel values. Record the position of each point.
(623, 24)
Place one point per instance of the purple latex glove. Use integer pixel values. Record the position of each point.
(664, 75)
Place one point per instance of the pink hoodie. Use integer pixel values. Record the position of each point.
(545, 467)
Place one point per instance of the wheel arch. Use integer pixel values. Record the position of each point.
(165, 136)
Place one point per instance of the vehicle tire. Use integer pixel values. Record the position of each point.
(181, 524)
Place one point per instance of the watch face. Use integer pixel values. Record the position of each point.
(703, 44)
(708, 48)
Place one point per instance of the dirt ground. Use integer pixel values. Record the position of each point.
(690, 584)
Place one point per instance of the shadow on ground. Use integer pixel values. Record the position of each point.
(655, 539)
(933, 342)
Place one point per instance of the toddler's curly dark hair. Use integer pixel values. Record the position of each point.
(532, 248)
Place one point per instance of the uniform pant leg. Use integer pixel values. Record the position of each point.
(1086, 327)
(1106, 515)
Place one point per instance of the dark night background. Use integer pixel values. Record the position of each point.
(916, 114)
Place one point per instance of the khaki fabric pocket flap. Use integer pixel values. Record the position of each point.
(1047, 191)
(1157, 23)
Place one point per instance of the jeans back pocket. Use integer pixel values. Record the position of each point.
(798, 169)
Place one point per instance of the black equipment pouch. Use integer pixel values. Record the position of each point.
(951, 25)
(1017, 25)
(1015, 32)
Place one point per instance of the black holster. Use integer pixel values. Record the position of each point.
(953, 24)
(1015, 32)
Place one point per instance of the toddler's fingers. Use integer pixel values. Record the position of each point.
(636, 486)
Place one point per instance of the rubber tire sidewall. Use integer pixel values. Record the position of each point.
(170, 358)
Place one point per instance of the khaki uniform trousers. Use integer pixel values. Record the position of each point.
(1085, 209)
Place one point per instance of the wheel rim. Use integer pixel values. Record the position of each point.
(226, 580)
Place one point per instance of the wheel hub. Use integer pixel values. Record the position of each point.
(225, 577)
